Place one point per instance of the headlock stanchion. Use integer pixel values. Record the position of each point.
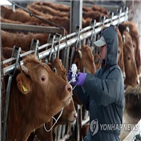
(34, 47)
(1, 83)
(16, 55)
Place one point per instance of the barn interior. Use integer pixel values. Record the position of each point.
(55, 35)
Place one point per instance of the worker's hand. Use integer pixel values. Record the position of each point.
(70, 79)
(81, 78)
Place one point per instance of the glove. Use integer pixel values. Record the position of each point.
(70, 78)
(81, 78)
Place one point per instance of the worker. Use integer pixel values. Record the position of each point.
(102, 94)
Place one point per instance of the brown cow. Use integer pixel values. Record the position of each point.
(132, 94)
(17, 15)
(100, 9)
(69, 113)
(6, 52)
(39, 13)
(3, 20)
(21, 40)
(129, 61)
(62, 21)
(22, 16)
(93, 15)
(65, 8)
(132, 29)
(84, 58)
(36, 95)
(59, 7)
(47, 10)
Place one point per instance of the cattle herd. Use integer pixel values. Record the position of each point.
(40, 92)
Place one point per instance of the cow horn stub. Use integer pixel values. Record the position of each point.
(24, 69)
(80, 54)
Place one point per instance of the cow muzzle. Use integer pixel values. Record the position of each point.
(69, 88)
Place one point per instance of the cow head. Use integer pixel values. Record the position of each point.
(129, 61)
(131, 27)
(58, 68)
(37, 94)
(49, 92)
(84, 59)
(135, 39)
(69, 112)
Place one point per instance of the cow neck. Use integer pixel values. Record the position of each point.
(42, 135)
(18, 124)
(21, 118)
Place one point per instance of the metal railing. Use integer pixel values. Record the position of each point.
(70, 39)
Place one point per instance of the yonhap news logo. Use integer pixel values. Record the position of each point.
(95, 126)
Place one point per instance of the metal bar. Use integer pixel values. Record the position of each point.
(0, 109)
(31, 28)
(63, 130)
(4, 136)
(76, 15)
(85, 121)
(79, 123)
(1, 87)
(21, 55)
(34, 46)
(71, 41)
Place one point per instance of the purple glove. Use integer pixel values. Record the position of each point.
(70, 78)
(81, 78)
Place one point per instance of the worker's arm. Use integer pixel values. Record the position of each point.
(106, 91)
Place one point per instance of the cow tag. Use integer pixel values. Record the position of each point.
(23, 83)
(24, 88)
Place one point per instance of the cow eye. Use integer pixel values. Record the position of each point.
(43, 78)
(54, 70)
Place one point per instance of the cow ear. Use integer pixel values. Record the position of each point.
(23, 83)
